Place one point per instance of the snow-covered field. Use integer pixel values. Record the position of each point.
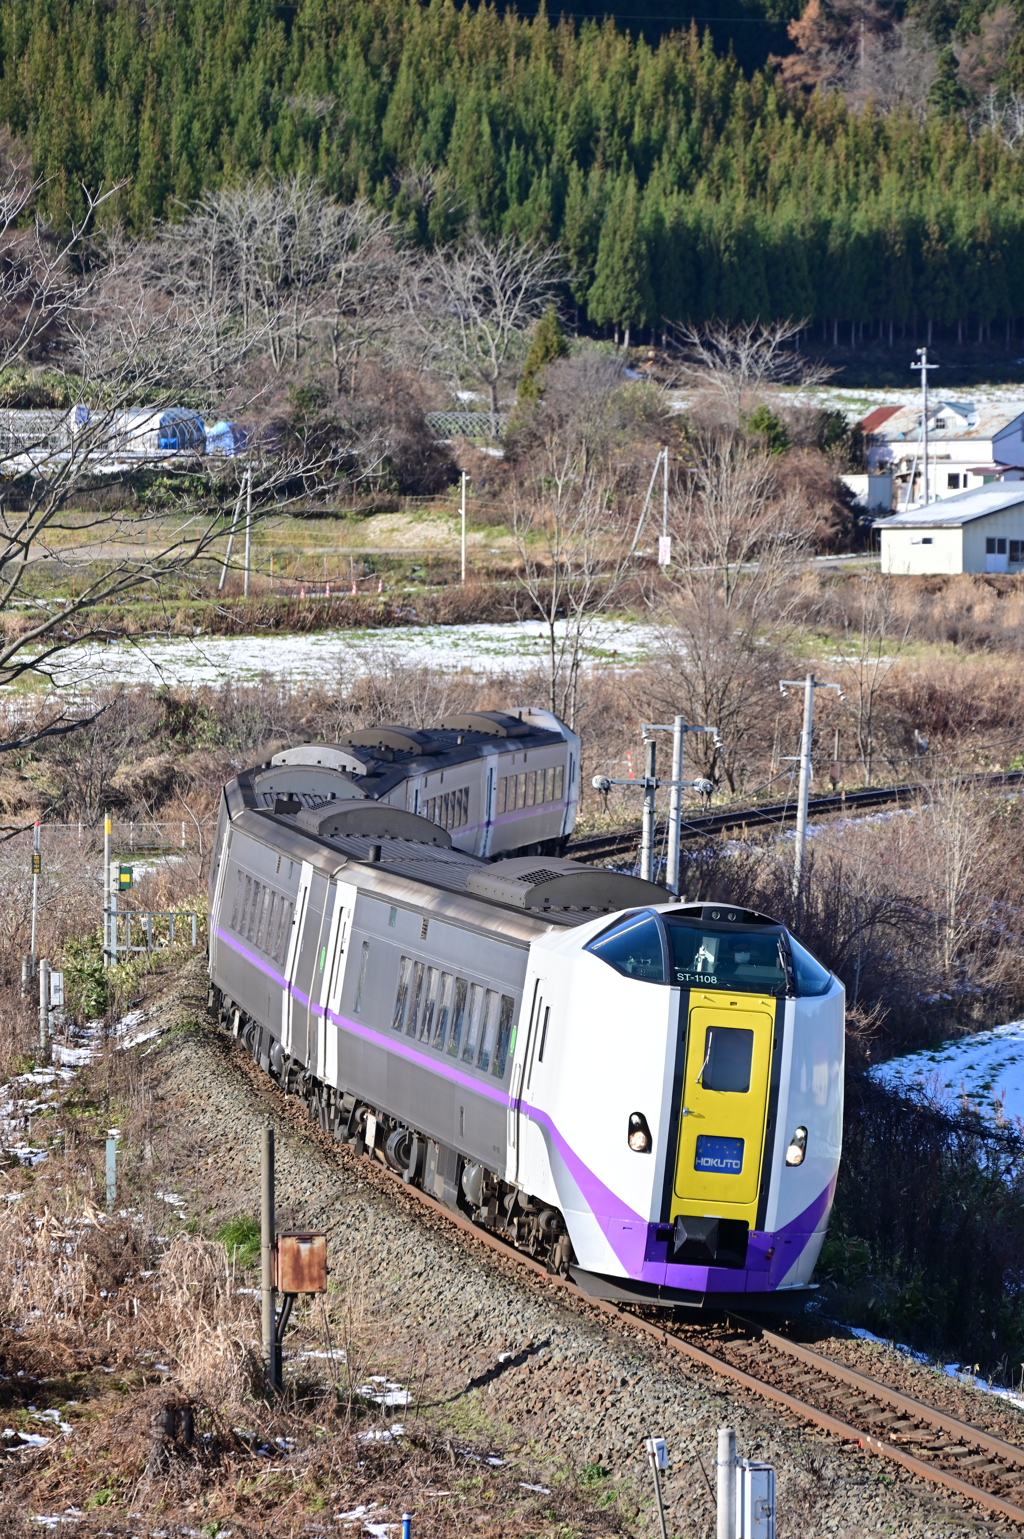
(986, 1069)
(856, 403)
(195, 660)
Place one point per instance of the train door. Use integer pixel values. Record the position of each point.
(344, 899)
(522, 1072)
(725, 1103)
(316, 1032)
(309, 912)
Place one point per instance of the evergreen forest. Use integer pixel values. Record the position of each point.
(678, 184)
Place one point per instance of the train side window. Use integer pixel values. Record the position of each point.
(429, 1004)
(401, 993)
(266, 925)
(464, 806)
(559, 781)
(474, 1021)
(255, 910)
(284, 923)
(245, 906)
(458, 1016)
(633, 947)
(415, 1000)
(728, 1054)
(445, 997)
(237, 905)
(362, 978)
(489, 1036)
(501, 1052)
(502, 792)
(521, 790)
(531, 789)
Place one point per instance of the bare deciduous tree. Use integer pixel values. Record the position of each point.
(121, 333)
(739, 365)
(574, 556)
(868, 654)
(737, 528)
(474, 305)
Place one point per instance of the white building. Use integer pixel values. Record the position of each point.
(968, 446)
(974, 531)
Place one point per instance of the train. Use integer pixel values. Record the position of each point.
(642, 1093)
(500, 782)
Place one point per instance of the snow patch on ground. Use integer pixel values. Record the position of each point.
(953, 1370)
(984, 1072)
(337, 654)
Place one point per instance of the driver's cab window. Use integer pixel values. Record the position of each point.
(750, 960)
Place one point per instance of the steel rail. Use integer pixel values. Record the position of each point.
(596, 846)
(803, 1410)
(894, 1397)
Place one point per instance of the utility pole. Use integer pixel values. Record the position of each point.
(248, 529)
(37, 860)
(649, 784)
(808, 685)
(664, 498)
(106, 891)
(923, 365)
(465, 478)
(650, 788)
(678, 729)
(271, 1345)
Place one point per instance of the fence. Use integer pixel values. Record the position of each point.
(467, 424)
(122, 921)
(131, 836)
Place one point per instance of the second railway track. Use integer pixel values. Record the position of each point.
(596, 847)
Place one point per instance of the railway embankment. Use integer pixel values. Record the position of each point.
(505, 1378)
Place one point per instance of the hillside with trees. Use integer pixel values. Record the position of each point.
(677, 186)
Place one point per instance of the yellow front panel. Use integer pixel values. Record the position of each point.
(725, 1100)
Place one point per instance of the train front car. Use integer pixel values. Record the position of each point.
(678, 1094)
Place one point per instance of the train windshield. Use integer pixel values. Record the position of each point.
(752, 960)
(665, 949)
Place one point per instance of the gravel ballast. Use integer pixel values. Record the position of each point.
(488, 1347)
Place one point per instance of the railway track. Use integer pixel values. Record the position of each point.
(600, 846)
(965, 1457)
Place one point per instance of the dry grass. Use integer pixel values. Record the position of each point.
(147, 1347)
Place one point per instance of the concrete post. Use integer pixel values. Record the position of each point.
(725, 1465)
(44, 1007)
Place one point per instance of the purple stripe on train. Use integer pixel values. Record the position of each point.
(632, 1238)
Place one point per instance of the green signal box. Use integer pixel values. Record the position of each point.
(125, 877)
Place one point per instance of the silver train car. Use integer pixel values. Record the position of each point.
(646, 1094)
(500, 782)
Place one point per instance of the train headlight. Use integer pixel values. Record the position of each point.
(797, 1147)
(639, 1134)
